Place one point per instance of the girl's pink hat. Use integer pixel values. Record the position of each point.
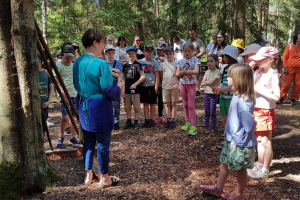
(265, 52)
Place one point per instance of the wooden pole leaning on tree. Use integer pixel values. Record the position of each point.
(56, 84)
(44, 122)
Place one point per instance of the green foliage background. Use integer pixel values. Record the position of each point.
(67, 20)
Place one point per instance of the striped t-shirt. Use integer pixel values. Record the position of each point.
(225, 95)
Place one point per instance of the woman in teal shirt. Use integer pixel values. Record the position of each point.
(94, 84)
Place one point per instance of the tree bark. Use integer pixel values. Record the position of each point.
(173, 20)
(44, 18)
(297, 21)
(139, 4)
(21, 134)
(240, 21)
(266, 18)
(259, 20)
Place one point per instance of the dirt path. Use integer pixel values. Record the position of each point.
(168, 164)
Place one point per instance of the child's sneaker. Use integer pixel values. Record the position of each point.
(74, 142)
(151, 124)
(159, 120)
(60, 142)
(145, 124)
(167, 125)
(260, 174)
(254, 169)
(117, 126)
(136, 125)
(68, 131)
(172, 124)
(186, 127)
(193, 130)
(166, 120)
(128, 124)
(220, 146)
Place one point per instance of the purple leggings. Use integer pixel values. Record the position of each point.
(210, 102)
(188, 92)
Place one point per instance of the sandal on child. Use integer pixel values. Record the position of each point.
(214, 192)
(227, 196)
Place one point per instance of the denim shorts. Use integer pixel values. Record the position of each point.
(63, 109)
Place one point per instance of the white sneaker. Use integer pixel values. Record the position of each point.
(49, 124)
(259, 174)
(254, 169)
(50, 106)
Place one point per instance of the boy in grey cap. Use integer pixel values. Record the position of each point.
(65, 69)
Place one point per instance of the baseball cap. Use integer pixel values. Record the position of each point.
(130, 48)
(239, 43)
(252, 48)
(169, 48)
(149, 47)
(231, 51)
(161, 45)
(68, 51)
(265, 52)
(57, 54)
(109, 47)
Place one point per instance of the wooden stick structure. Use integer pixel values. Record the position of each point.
(61, 82)
(44, 121)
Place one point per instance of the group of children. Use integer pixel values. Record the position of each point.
(246, 99)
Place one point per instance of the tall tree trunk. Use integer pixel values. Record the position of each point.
(259, 20)
(44, 18)
(173, 19)
(297, 21)
(21, 144)
(266, 18)
(102, 4)
(139, 6)
(240, 21)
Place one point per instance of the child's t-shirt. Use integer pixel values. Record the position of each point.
(66, 73)
(170, 80)
(44, 83)
(188, 64)
(240, 123)
(209, 75)
(117, 66)
(131, 75)
(225, 95)
(149, 67)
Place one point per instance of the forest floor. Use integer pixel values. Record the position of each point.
(161, 163)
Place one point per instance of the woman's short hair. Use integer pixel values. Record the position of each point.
(90, 36)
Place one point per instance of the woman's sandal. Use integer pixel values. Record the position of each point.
(214, 192)
(114, 181)
(227, 196)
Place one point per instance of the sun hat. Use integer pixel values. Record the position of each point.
(239, 43)
(231, 51)
(265, 52)
(169, 48)
(68, 51)
(252, 48)
(130, 48)
(161, 45)
(109, 47)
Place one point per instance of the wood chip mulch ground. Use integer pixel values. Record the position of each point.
(161, 163)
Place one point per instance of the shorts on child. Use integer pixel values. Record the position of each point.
(170, 95)
(128, 103)
(237, 157)
(265, 119)
(224, 105)
(63, 109)
(148, 95)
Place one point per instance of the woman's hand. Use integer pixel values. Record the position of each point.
(216, 90)
(285, 70)
(46, 104)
